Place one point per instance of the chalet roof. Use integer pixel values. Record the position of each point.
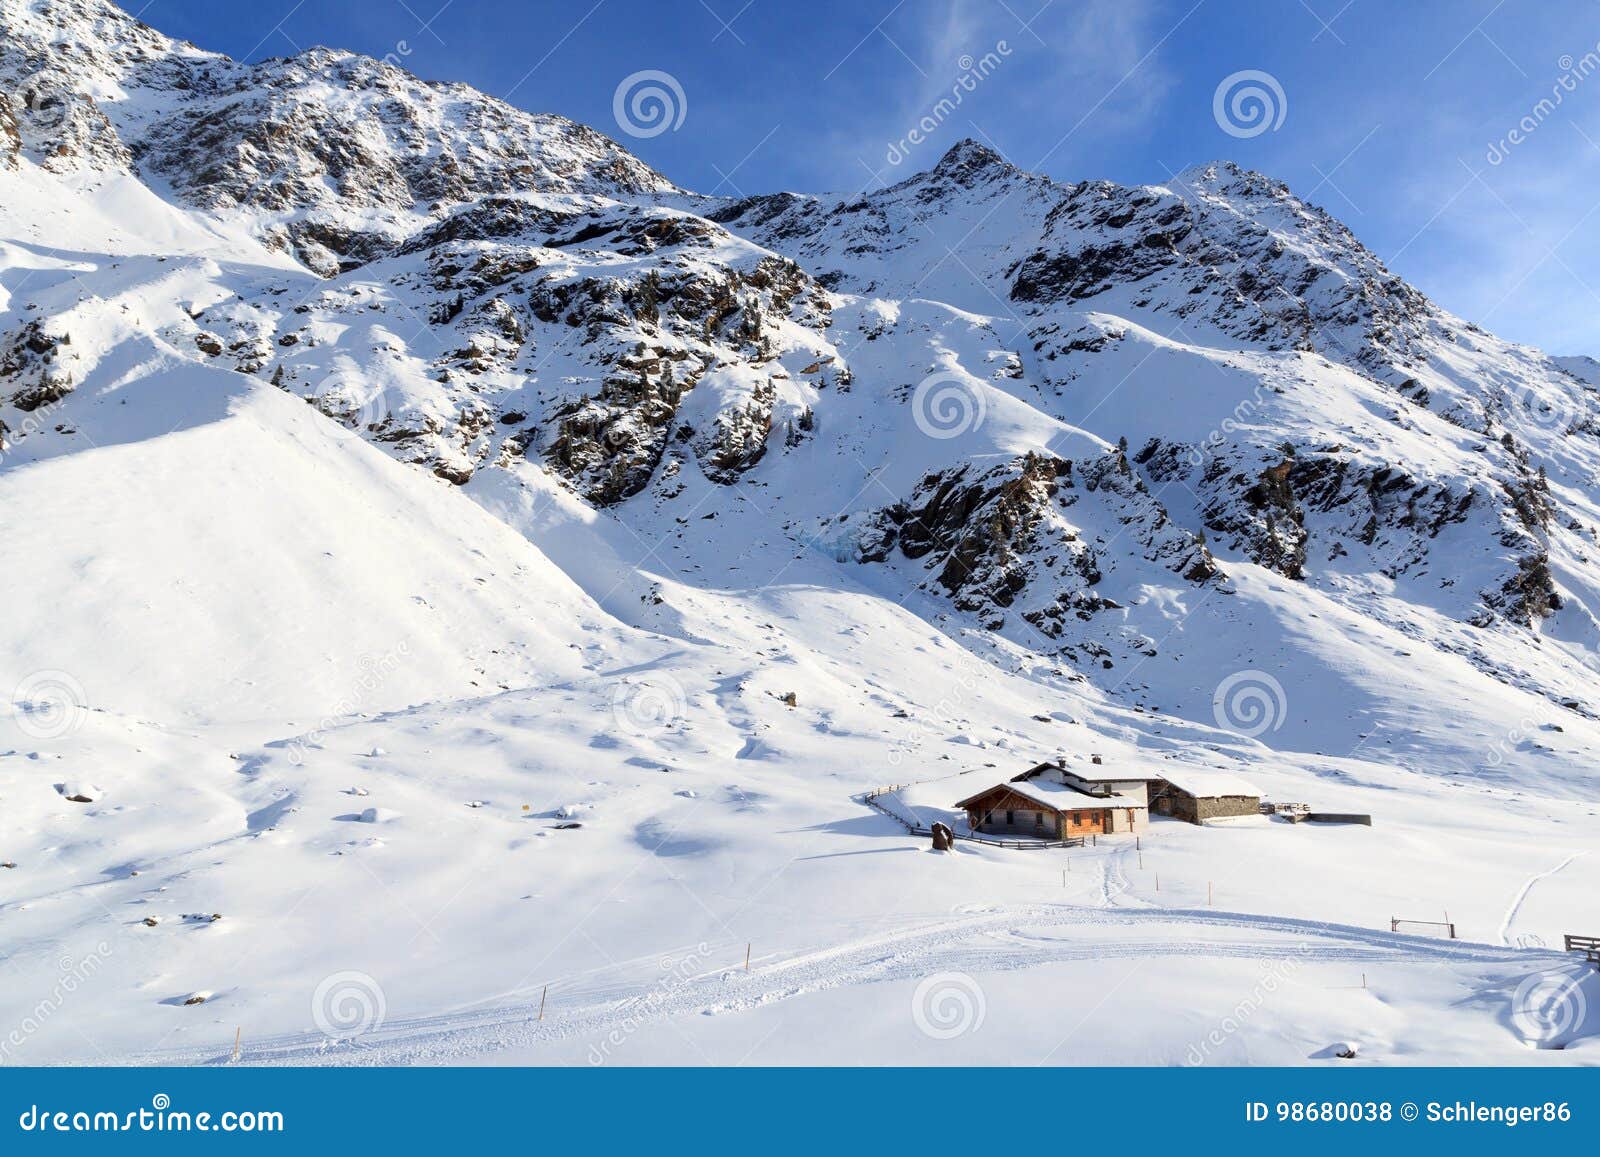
(1065, 797)
(1210, 784)
(1056, 796)
(1096, 773)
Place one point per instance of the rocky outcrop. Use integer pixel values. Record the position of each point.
(1210, 247)
(35, 367)
(1312, 507)
(341, 155)
(1004, 538)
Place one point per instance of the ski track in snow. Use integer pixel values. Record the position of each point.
(994, 940)
(1522, 896)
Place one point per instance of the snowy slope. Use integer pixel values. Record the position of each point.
(394, 479)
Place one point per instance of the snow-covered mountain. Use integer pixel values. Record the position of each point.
(344, 413)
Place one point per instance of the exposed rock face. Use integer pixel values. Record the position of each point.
(35, 367)
(340, 155)
(1005, 538)
(1313, 507)
(496, 296)
(1211, 248)
(10, 134)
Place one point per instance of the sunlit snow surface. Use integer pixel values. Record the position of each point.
(393, 770)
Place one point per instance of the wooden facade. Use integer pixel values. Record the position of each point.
(1001, 811)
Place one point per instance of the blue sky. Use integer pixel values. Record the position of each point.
(1389, 111)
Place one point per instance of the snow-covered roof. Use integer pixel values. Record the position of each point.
(1210, 783)
(1058, 796)
(1095, 773)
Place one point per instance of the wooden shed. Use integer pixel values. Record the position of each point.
(1198, 796)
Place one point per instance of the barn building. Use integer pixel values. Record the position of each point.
(1198, 796)
(1048, 802)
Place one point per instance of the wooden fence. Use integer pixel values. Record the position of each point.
(1396, 921)
(1588, 945)
(871, 800)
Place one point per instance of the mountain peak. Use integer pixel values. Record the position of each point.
(1224, 174)
(968, 157)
